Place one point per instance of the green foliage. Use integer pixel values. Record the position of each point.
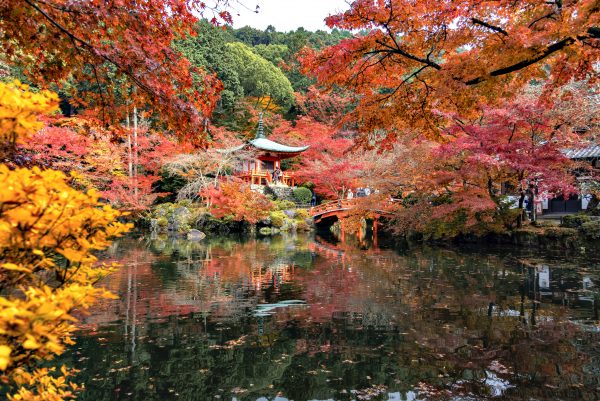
(442, 229)
(591, 229)
(560, 232)
(185, 214)
(259, 77)
(459, 224)
(277, 218)
(302, 225)
(302, 195)
(265, 231)
(284, 204)
(208, 50)
(294, 40)
(574, 220)
(276, 54)
(169, 184)
(301, 214)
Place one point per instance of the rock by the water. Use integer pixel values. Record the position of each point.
(195, 235)
(181, 211)
(265, 231)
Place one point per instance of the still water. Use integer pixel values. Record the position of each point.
(300, 318)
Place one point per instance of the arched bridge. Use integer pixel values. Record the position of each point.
(340, 208)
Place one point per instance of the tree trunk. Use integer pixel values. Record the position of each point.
(520, 217)
(129, 149)
(135, 154)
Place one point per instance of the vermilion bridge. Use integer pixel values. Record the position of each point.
(342, 208)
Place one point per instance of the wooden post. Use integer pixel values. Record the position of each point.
(375, 227)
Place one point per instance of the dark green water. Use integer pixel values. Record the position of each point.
(293, 318)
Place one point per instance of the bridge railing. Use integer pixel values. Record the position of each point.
(332, 205)
(344, 204)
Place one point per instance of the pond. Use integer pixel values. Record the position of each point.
(302, 318)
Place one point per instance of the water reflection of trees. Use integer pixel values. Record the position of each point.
(436, 321)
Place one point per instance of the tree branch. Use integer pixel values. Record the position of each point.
(405, 54)
(542, 54)
(489, 26)
(93, 50)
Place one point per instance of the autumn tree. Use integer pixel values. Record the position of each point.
(203, 170)
(123, 174)
(236, 201)
(120, 55)
(48, 231)
(469, 176)
(413, 63)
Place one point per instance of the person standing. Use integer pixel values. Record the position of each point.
(350, 194)
(276, 175)
(313, 200)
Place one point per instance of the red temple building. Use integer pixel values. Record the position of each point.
(269, 155)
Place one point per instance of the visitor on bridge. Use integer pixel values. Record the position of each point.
(350, 194)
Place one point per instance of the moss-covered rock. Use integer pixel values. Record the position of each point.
(284, 204)
(574, 220)
(302, 225)
(277, 218)
(301, 214)
(591, 229)
(265, 231)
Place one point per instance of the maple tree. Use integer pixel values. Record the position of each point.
(469, 176)
(48, 231)
(415, 62)
(119, 55)
(18, 114)
(124, 174)
(201, 170)
(235, 200)
(332, 176)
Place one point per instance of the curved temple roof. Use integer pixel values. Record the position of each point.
(267, 145)
(271, 146)
(262, 143)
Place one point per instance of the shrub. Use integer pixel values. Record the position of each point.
(285, 204)
(574, 220)
(302, 195)
(236, 201)
(277, 218)
(560, 232)
(302, 225)
(301, 214)
(591, 229)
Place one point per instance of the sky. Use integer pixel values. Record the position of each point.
(286, 15)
